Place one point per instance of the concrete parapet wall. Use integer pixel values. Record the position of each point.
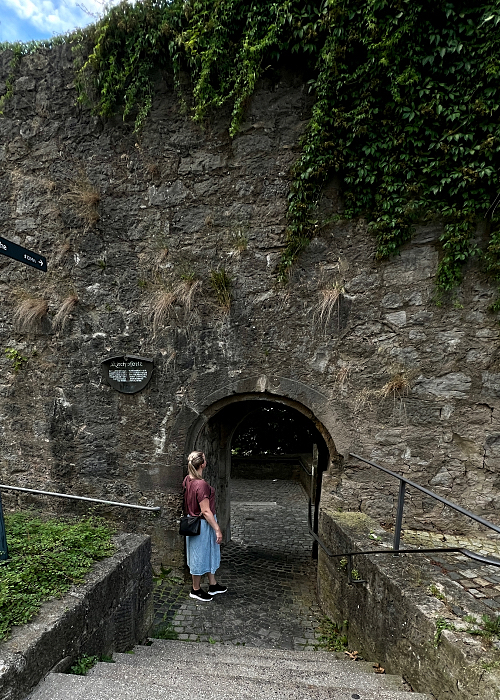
(392, 616)
(112, 611)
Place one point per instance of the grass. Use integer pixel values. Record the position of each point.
(332, 636)
(165, 632)
(441, 624)
(83, 665)
(83, 198)
(164, 300)
(343, 374)
(398, 386)
(486, 627)
(160, 258)
(29, 313)
(221, 284)
(434, 590)
(329, 300)
(62, 252)
(239, 242)
(64, 312)
(363, 398)
(46, 558)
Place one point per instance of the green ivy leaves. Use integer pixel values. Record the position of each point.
(406, 109)
(407, 113)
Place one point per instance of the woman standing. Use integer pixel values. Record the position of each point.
(203, 550)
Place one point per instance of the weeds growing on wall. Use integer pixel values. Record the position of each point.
(17, 358)
(28, 314)
(83, 198)
(64, 312)
(181, 294)
(221, 284)
(329, 302)
(332, 636)
(46, 558)
(406, 102)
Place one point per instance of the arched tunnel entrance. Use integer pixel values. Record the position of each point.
(261, 436)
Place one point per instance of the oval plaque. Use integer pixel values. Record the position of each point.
(127, 373)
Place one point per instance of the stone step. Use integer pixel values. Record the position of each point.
(180, 650)
(169, 686)
(141, 668)
(309, 672)
(183, 651)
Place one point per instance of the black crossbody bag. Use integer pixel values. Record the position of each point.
(190, 525)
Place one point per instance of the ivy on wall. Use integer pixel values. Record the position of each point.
(406, 107)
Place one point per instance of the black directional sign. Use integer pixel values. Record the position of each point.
(17, 252)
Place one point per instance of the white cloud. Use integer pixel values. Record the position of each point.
(55, 16)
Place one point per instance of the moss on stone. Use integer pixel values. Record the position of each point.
(354, 520)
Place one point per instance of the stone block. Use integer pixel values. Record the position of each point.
(398, 318)
(413, 265)
(168, 195)
(200, 163)
(491, 385)
(453, 385)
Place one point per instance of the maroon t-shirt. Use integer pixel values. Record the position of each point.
(195, 491)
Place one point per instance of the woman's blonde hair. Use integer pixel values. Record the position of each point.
(195, 460)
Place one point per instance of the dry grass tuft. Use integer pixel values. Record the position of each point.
(62, 316)
(29, 313)
(161, 257)
(164, 300)
(343, 374)
(161, 304)
(239, 243)
(399, 385)
(62, 252)
(186, 291)
(364, 399)
(329, 300)
(84, 199)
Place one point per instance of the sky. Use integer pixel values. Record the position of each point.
(25, 20)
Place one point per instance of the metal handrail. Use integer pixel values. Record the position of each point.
(79, 498)
(4, 551)
(403, 481)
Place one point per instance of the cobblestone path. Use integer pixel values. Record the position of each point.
(271, 601)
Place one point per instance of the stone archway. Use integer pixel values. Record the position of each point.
(215, 424)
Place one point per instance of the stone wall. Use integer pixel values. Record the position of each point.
(392, 617)
(111, 611)
(384, 372)
(291, 467)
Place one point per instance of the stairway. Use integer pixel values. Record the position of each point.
(174, 670)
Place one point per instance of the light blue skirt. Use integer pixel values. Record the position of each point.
(203, 552)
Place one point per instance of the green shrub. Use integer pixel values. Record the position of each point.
(46, 558)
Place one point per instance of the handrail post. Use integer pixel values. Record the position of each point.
(399, 515)
(311, 491)
(4, 551)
